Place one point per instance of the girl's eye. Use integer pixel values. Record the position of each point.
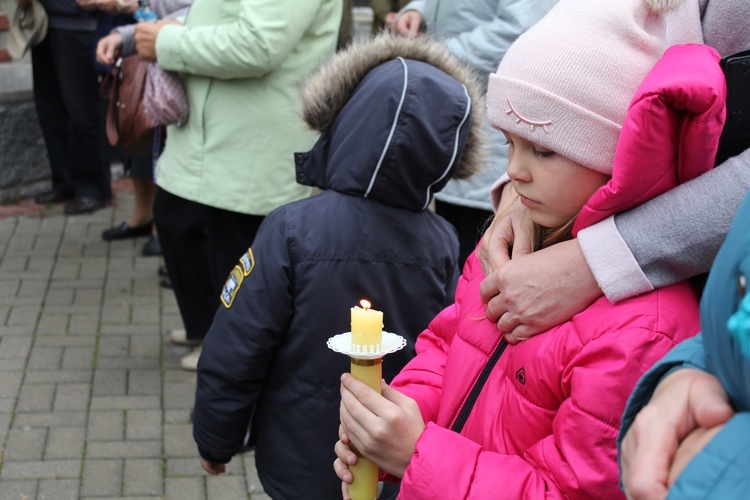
(543, 154)
(741, 285)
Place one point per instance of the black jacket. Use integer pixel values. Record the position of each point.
(398, 138)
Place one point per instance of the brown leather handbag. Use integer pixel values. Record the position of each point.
(128, 126)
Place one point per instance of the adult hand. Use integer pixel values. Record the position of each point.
(389, 19)
(145, 37)
(111, 6)
(108, 48)
(213, 468)
(384, 428)
(684, 401)
(408, 23)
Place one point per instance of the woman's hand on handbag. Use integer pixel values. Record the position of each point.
(111, 6)
(108, 48)
(145, 37)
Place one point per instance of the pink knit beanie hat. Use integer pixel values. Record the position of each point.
(567, 82)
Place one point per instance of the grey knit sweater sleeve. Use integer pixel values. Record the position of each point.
(676, 235)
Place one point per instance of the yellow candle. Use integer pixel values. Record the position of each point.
(367, 328)
(367, 333)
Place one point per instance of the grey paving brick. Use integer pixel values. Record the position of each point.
(23, 315)
(32, 289)
(41, 469)
(251, 473)
(143, 477)
(185, 467)
(8, 287)
(129, 363)
(4, 426)
(179, 395)
(84, 323)
(143, 425)
(7, 405)
(106, 426)
(72, 397)
(66, 270)
(142, 346)
(25, 444)
(124, 449)
(185, 488)
(53, 324)
(18, 490)
(102, 478)
(66, 340)
(65, 442)
(226, 487)
(12, 365)
(60, 376)
(180, 416)
(115, 346)
(88, 296)
(114, 313)
(109, 382)
(45, 358)
(59, 297)
(14, 347)
(36, 397)
(77, 358)
(40, 264)
(129, 329)
(10, 383)
(178, 441)
(56, 419)
(10, 330)
(59, 489)
(144, 382)
(124, 403)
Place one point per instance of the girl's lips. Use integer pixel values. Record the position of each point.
(528, 202)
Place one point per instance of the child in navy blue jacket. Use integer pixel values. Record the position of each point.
(398, 118)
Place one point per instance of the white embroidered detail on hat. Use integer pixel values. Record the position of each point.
(520, 118)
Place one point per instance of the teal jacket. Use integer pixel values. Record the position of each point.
(242, 62)
(722, 468)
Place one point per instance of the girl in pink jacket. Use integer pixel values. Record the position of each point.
(473, 417)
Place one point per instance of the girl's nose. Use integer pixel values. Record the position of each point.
(516, 168)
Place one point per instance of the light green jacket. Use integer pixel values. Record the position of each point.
(242, 62)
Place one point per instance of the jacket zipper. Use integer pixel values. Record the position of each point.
(463, 415)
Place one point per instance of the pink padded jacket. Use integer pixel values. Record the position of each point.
(545, 422)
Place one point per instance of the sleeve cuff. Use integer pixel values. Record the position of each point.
(611, 261)
(168, 53)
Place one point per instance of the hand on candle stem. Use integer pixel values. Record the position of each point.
(384, 428)
(346, 458)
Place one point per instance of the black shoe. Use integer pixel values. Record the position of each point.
(124, 231)
(83, 205)
(54, 196)
(166, 283)
(152, 247)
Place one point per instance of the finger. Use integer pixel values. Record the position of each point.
(710, 401)
(508, 322)
(345, 454)
(649, 450)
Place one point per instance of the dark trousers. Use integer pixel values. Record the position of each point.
(66, 93)
(470, 223)
(200, 245)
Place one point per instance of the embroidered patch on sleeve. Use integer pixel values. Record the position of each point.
(238, 274)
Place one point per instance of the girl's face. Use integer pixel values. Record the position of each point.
(552, 187)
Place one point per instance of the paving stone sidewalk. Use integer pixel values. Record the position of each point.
(93, 403)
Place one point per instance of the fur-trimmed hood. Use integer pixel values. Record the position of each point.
(399, 117)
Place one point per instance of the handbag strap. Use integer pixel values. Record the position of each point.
(113, 132)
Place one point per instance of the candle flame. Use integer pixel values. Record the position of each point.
(365, 304)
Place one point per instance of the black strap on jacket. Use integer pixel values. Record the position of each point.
(463, 415)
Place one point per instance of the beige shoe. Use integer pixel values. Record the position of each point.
(179, 337)
(190, 362)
